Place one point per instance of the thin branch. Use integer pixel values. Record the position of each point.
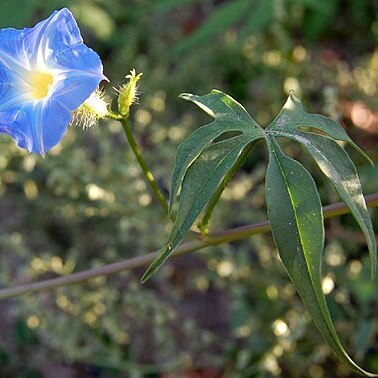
(212, 238)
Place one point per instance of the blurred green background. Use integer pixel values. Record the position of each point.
(229, 311)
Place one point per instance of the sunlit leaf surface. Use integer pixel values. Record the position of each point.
(206, 160)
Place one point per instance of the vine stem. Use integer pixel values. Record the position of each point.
(146, 171)
(201, 242)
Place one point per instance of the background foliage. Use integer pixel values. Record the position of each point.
(230, 310)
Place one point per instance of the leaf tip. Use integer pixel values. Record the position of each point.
(146, 276)
(217, 92)
(151, 270)
(370, 160)
(293, 101)
(157, 262)
(186, 96)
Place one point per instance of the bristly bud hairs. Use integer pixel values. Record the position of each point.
(128, 93)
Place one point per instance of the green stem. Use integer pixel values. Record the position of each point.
(212, 238)
(146, 171)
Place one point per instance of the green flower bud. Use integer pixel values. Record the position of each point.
(128, 93)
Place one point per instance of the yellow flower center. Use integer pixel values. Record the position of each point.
(41, 83)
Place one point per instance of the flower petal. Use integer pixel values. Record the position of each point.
(52, 36)
(37, 126)
(12, 51)
(54, 122)
(73, 89)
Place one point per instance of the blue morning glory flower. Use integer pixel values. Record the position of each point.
(46, 73)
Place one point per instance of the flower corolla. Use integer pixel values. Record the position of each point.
(46, 73)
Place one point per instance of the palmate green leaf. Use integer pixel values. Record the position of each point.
(295, 215)
(331, 159)
(204, 162)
